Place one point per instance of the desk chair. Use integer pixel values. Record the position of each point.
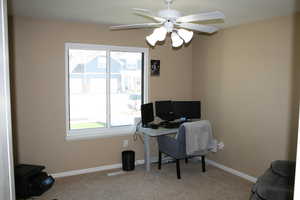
(176, 148)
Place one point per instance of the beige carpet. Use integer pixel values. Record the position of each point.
(214, 184)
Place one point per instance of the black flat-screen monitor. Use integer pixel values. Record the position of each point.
(164, 110)
(187, 109)
(147, 113)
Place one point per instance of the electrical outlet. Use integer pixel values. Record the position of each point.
(125, 143)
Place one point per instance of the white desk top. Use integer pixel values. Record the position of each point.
(157, 132)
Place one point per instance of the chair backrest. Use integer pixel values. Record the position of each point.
(181, 139)
(174, 147)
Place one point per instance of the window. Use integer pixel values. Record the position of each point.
(105, 86)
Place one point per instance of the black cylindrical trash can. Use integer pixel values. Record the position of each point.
(128, 160)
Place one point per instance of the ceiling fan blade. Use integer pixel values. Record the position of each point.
(198, 27)
(201, 17)
(133, 26)
(148, 13)
(159, 19)
(142, 10)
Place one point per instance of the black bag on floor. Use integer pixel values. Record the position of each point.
(31, 180)
(41, 183)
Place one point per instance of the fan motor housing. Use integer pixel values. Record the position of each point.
(169, 26)
(169, 14)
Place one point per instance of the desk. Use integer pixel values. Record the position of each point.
(147, 134)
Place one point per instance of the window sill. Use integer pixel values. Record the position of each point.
(87, 134)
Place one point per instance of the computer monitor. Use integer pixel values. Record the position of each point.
(147, 113)
(187, 109)
(164, 110)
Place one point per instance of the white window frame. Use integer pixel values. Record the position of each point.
(102, 132)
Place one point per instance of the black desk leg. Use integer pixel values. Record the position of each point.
(178, 168)
(159, 160)
(203, 163)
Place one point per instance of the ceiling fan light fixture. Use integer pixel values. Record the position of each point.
(160, 33)
(185, 35)
(151, 40)
(171, 21)
(176, 40)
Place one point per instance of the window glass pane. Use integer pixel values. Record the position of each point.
(87, 87)
(125, 87)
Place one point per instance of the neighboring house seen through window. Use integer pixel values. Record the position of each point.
(106, 86)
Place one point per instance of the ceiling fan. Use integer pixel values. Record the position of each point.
(171, 21)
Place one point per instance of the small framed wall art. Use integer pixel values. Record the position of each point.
(155, 67)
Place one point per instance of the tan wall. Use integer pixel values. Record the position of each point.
(246, 77)
(37, 51)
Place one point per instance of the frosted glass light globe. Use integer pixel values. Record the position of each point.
(160, 33)
(151, 39)
(176, 40)
(185, 35)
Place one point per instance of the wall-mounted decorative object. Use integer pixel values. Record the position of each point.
(155, 67)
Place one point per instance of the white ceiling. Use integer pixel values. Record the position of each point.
(119, 11)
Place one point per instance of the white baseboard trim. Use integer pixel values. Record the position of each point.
(232, 171)
(154, 159)
(91, 170)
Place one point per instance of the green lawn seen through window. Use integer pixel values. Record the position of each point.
(85, 125)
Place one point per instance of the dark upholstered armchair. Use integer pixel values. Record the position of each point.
(277, 183)
(176, 148)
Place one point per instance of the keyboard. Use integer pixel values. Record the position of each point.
(151, 125)
(170, 124)
(154, 126)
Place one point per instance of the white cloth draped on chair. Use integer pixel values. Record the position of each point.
(199, 138)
